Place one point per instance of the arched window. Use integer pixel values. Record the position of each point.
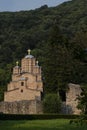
(22, 83)
(36, 77)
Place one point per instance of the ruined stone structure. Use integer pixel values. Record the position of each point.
(23, 95)
(26, 87)
(70, 106)
(71, 99)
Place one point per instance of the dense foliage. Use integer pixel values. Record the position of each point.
(36, 116)
(62, 52)
(83, 100)
(52, 103)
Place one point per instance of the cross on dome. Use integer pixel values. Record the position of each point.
(29, 51)
(37, 62)
(29, 55)
(17, 63)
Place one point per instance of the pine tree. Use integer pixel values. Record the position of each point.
(56, 62)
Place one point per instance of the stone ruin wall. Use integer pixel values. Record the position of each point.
(21, 107)
(35, 107)
(71, 99)
(70, 105)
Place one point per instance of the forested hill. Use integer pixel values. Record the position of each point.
(30, 29)
(26, 29)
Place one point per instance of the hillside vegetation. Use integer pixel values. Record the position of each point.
(34, 29)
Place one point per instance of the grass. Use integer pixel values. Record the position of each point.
(57, 124)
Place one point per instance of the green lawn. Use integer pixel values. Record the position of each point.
(57, 124)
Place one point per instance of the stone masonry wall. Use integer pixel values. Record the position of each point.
(71, 99)
(21, 107)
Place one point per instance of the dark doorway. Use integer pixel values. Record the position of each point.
(62, 94)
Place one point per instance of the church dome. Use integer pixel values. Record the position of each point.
(17, 67)
(29, 55)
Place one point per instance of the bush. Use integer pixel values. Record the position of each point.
(36, 116)
(51, 103)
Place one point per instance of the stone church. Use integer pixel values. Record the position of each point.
(26, 81)
(24, 92)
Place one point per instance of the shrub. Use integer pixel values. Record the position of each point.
(37, 117)
(51, 103)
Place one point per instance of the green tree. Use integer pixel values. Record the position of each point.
(83, 99)
(51, 103)
(78, 48)
(57, 64)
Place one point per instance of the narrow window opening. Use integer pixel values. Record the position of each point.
(22, 83)
(36, 77)
(21, 90)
